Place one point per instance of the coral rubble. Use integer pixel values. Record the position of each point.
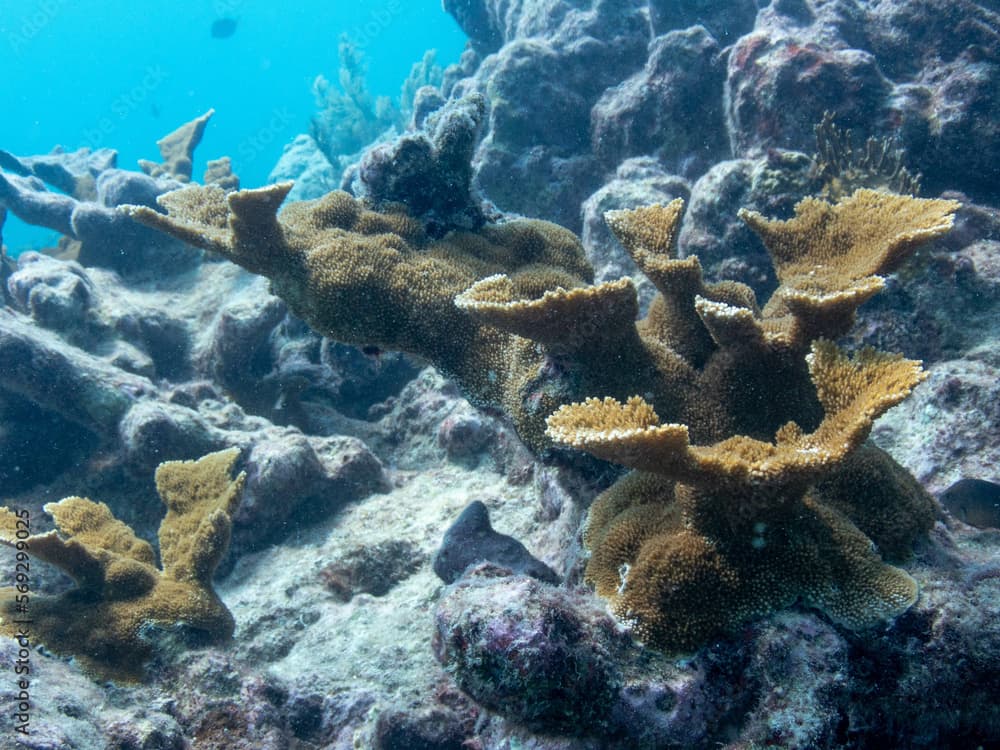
(120, 592)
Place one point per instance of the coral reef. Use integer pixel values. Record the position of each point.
(155, 380)
(177, 150)
(949, 425)
(333, 254)
(358, 460)
(844, 169)
(524, 280)
(884, 69)
(739, 535)
(416, 97)
(284, 680)
(120, 593)
(350, 118)
(648, 113)
(733, 373)
(548, 65)
(429, 170)
(74, 174)
(779, 75)
(641, 181)
(7, 266)
(547, 662)
(302, 161)
(104, 237)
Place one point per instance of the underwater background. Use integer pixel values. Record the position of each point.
(500, 374)
(138, 71)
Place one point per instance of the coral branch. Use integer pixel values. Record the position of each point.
(120, 591)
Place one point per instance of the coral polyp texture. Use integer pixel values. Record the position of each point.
(746, 537)
(704, 537)
(120, 592)
(375, 278)
(734, 413)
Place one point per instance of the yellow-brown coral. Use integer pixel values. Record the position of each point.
(504, 311)
(754, 519)
(374, 278)
(829, 257)
(746, 421)
(119, 590)
(750, 537)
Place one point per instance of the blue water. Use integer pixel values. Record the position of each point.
(122, 74)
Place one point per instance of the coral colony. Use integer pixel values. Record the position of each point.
(638, 498)
(766, 507)
(119, 589)
(745, 425)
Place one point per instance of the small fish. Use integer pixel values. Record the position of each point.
(974, 501)
(224, 28)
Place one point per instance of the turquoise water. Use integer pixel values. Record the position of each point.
(122, 74)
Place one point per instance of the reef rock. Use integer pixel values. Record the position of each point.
(88, 189)
(302, 161)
